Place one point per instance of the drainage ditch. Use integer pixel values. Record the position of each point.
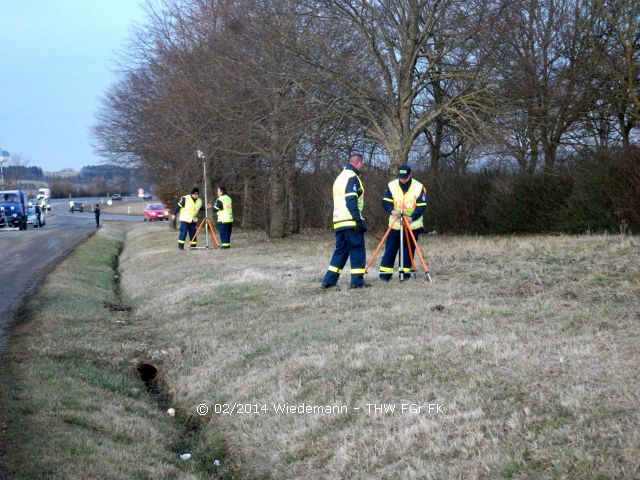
(188, 427)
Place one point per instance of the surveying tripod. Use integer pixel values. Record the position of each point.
(209, 231)
(405, 232)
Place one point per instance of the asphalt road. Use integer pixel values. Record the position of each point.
(61, 207)
(28, 256)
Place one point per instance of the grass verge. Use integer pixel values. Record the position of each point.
(73, 405)
(530, 344)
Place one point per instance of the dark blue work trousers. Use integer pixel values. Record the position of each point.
(391, 248)
(349, 244)
(225, 234)
(190, 228)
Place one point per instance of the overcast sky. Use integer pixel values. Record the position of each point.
(57, 58)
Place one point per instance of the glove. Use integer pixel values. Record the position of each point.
(363, 225)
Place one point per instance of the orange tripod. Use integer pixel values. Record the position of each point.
(208, 232)
(408, 233)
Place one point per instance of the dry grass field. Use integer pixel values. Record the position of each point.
(519, 361)
(526, 348)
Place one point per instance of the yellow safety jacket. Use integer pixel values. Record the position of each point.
(189, 213)
(405, 202)
(226, 214)
(341, 214)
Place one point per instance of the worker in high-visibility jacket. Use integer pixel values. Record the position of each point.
(404, 196)
(224, 211)
(187, 210)
(349, 225)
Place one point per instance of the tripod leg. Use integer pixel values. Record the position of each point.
(401, 265)
(375, 253)
(413, 264)
(213, 234)
(195, 236)
(425, 265)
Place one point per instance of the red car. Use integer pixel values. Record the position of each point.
(155, 211)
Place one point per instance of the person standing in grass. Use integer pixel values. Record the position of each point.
(96, 212)
(349, 225)
(188, 208)
(224, 211)
(404, 196)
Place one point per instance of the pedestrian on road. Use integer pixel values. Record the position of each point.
(96, 211)
(71, 204)
(224, 211)
(407, 197)
(39, 212)
(188, 208)
(349, 225)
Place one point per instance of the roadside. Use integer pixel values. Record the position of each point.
(28, 256)
(121, 212)
(74, 403)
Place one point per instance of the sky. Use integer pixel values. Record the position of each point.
(57, 59)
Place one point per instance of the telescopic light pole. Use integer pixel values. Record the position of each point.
(202, 157)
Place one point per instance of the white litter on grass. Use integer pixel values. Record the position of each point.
(185, 456)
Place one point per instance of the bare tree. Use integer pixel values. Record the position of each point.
(390, 61)
(617, 57)
(546, 77)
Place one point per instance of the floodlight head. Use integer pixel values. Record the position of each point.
(200, 154)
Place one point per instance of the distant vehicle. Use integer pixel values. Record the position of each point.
(147, 196)
(32, 216)
(77, 207)
(13, 209)
(116, 196)
(155, 211)
(46, 194)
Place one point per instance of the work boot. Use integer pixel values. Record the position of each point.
(364, 285)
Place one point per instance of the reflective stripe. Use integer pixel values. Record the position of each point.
(225, 244)
(358, 271)
(405, 202)
(406, 270)
(390, 200)
(347, 223)
(180, 241)
(386, 269)
(334, 269)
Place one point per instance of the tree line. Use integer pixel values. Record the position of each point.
(519, 116)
